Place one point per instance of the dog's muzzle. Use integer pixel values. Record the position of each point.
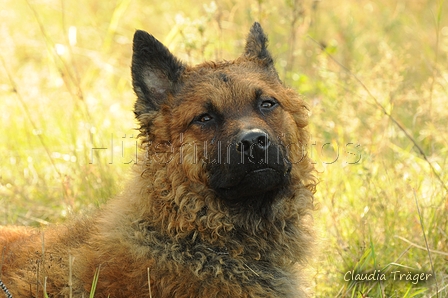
(252, 167)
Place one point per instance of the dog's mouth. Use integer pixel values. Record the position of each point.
(254, 175)
(254, 184)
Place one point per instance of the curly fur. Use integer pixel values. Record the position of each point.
(169, 225)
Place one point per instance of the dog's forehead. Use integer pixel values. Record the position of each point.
(228, 83)
(231, 72)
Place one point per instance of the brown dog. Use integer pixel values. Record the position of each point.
(218, 208)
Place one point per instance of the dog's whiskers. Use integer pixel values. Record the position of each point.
(251, 269)
(219, 253)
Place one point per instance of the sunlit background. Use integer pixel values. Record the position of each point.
(375, 74)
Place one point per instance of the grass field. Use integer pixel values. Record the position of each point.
(375, 74)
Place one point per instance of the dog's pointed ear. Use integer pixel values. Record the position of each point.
(155, 72)
(256, 46)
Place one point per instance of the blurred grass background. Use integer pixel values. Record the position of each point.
(374, 72)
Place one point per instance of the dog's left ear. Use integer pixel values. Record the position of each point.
(256, 46)
(155, 72)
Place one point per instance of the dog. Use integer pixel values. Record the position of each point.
(219, 206)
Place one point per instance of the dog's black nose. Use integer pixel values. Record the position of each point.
(253, 143)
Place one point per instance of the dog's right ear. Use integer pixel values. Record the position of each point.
(257, 46)
(155, 72)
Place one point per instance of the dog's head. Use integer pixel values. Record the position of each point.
(230, 125)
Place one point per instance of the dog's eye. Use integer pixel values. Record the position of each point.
(203, 118)
(268, 104)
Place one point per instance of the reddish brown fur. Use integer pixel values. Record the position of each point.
(153, 223)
